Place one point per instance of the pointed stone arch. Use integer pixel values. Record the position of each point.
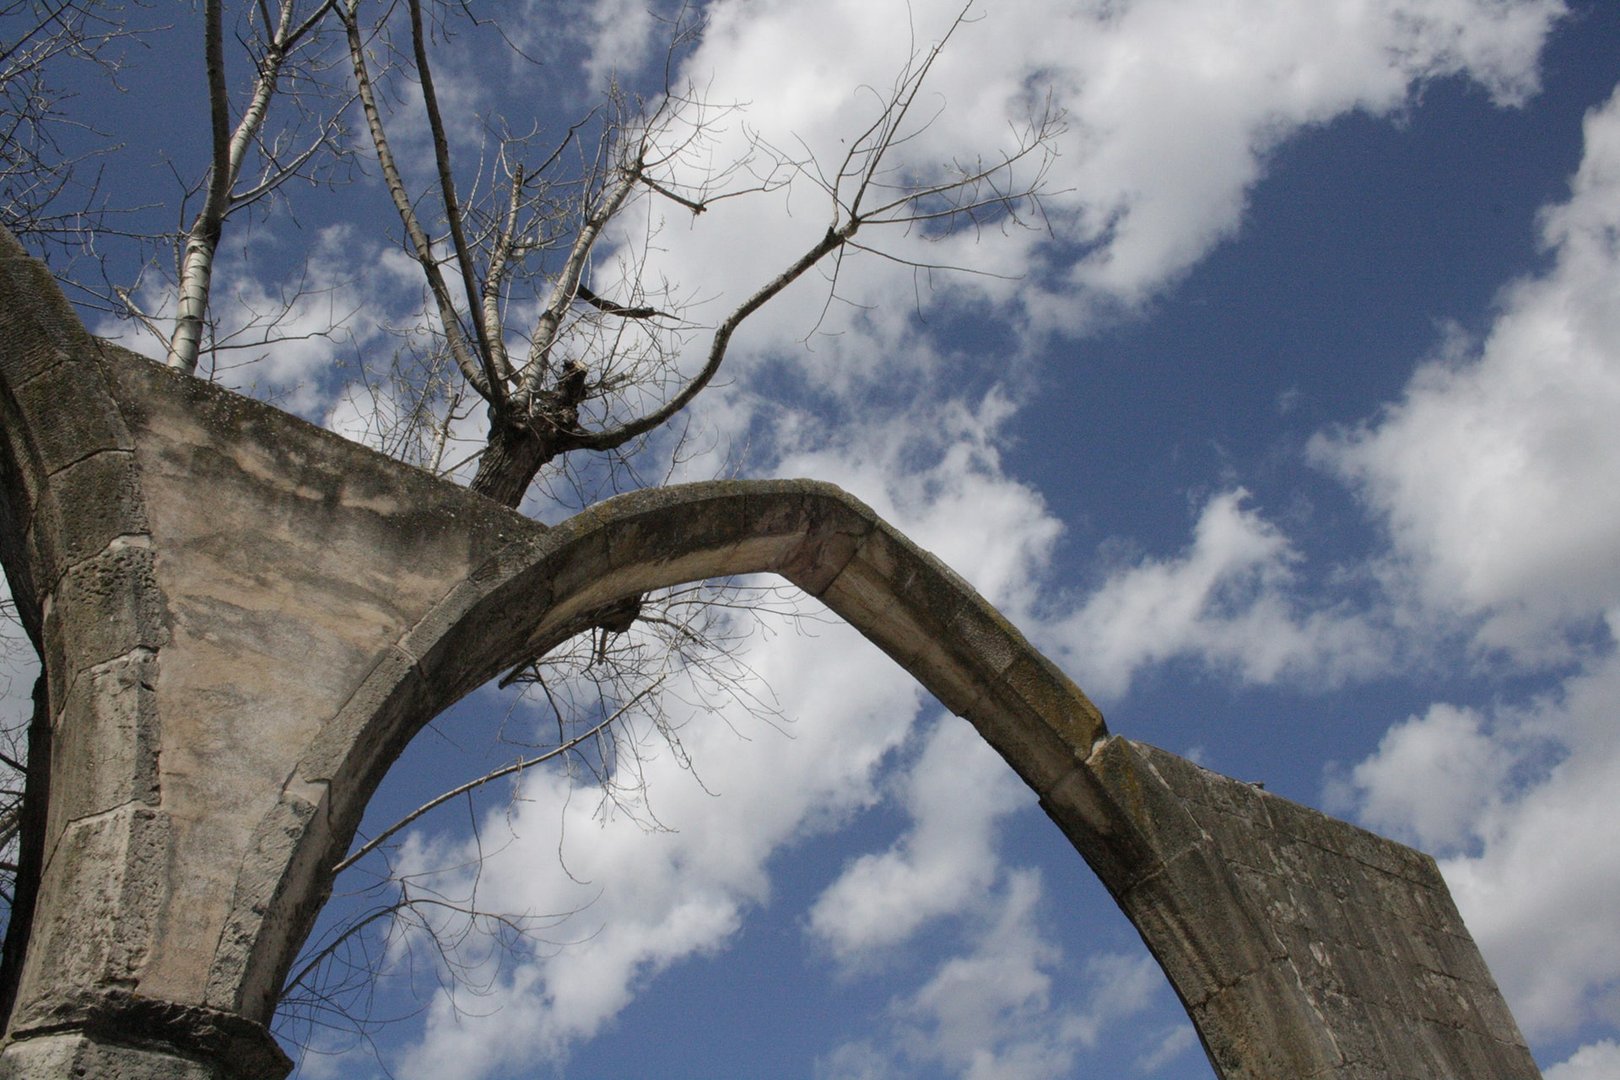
(244, 619)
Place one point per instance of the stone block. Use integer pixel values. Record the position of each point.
(107, 871)
(105, 739)
(261, 927)
(1260, 1029)
(36, 321)
(69, 415)
(102, 608)
(77, 1055)
(87, 506)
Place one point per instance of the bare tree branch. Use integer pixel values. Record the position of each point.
(421, 246)
(452, 205)
(230, 151)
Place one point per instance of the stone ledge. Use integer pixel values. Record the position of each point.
(134, 1038)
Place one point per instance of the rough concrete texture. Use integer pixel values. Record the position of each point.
(244, 619)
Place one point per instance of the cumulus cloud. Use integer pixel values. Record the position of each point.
(1174, 107)
(1227, 602)
(286, 338)
(623, 33)
(1599, 1061)
(956, 794)
(937, 473)
(1430, 778)
(1539, 892)
(1169, 114)
(1493, 472)
(650, 898)
(989, 1013)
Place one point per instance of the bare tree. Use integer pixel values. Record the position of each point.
(598, 372)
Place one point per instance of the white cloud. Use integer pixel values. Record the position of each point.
(985, 1014)
(1599, 1061)
(1176, 105)
(956, 794)
(936, 473)
(602, 39)
(989, 1012)
(281, 340)
(1226, 602)
(1430, 778)
(1494, 472)
(1171, 110)
(1176, 1042)
(624, 33)
(652, 898)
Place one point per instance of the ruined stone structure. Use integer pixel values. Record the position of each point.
(243, 619)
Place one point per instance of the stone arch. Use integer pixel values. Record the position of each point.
(530, 594)
(244, 619)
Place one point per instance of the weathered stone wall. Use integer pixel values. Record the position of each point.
(1302, 946)
(243, 619)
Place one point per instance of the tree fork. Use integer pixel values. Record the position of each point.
(512, 458)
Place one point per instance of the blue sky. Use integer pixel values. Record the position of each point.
(1290, 435)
